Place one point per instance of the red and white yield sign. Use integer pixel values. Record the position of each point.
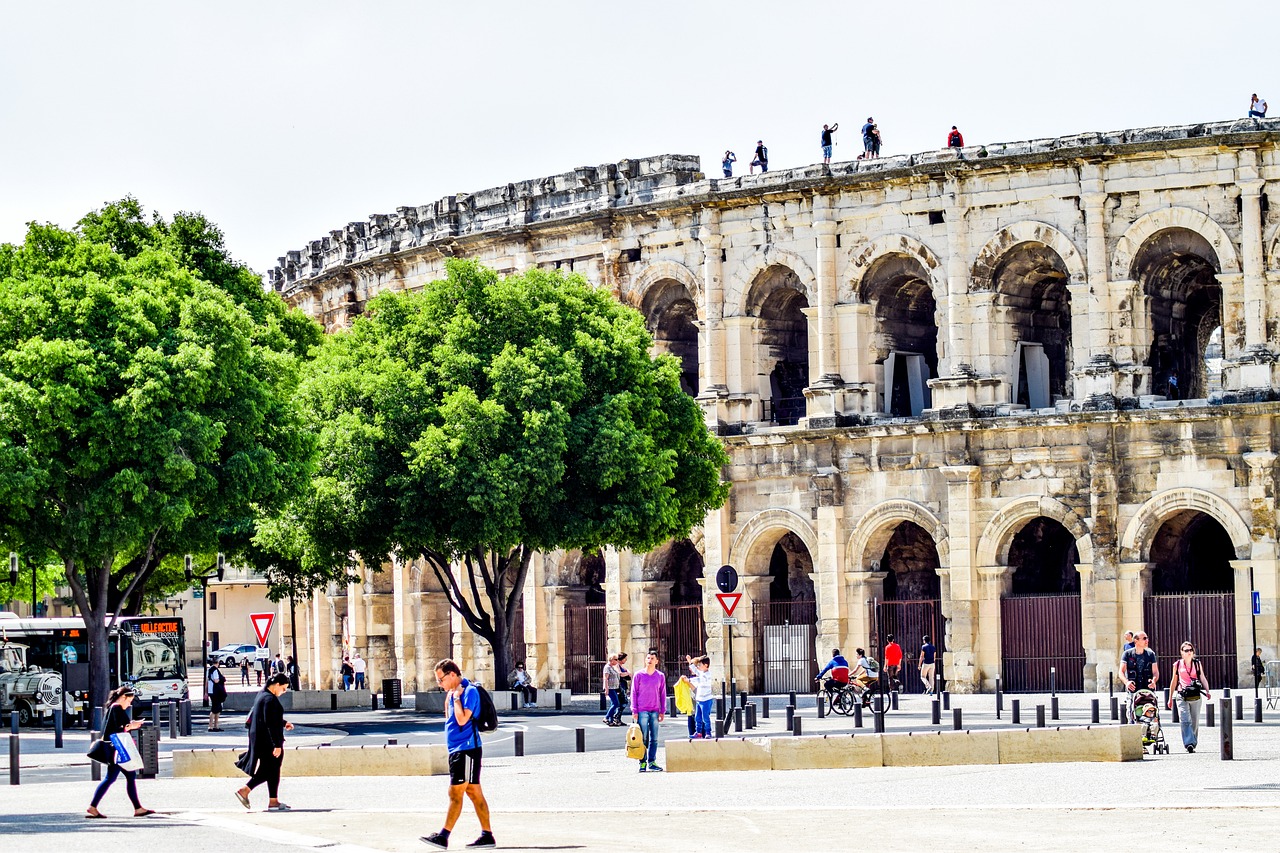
(728, 601)
(262, 625)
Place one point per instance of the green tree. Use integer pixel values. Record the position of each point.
(483, 419)
(144, 413)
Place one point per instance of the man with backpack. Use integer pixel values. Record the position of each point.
(466, 715)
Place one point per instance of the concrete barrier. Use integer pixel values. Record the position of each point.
(724, 754)
(826, 752)
(323, 761)
(546, 699)
(1096, 743)
(941, 749)
(304, 700)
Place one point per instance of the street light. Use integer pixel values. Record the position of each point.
(13, 579)
(216, 570)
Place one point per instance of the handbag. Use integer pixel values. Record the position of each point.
(635, 742)
(1192, 689)
(127, 755)
(102, 751)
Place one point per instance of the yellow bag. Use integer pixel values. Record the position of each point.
(635, 742)
(684, 697)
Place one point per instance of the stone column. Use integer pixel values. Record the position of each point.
(862, 590)
(1252, 369)
(1264, 561)
(1133, 580)
(402, 646)
(964, 662)
(712, 378)
(828, 576)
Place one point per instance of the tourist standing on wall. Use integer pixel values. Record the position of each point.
(928, 664)
(727, 164)
(828, 142)
(955, 139)
(216, 685)
(870, 139)
(1188, 687)
(265, 756)
(1257, 107)
(761, 159)
(611, 678)
(359, 667)
(649, 706)
(461, 708)
(118, 722)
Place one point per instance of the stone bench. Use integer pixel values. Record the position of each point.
(916, 749)
(323, 761)
(305, 700)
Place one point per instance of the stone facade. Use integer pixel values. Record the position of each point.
(1042, 367)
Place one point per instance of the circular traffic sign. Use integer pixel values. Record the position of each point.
(727, 578)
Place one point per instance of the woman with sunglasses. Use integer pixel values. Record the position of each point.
(1188, 688)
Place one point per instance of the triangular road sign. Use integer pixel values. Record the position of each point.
(262, 625)
(728, 601)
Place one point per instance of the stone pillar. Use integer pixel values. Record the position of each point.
(1253, 368)
(713, 353)
(963, 662)
(402, 646)
(862, 590)
(543, 666)
(1133, 580)
(1264, 562)
(828, 575)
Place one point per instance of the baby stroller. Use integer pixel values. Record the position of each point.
(1144, 708)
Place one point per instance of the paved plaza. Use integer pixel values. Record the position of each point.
(598, 800)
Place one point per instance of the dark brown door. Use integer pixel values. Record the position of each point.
(908, 621)
(585, 642)
(1208, 620)
(676, 631)
(1040, 633)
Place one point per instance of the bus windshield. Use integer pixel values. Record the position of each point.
(152, 649)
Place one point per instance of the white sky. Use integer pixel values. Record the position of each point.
(283, 120)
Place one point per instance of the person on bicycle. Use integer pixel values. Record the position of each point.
(839, 669)
(866, 673)
(893, 663)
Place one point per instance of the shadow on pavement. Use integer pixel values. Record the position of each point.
(26, 824)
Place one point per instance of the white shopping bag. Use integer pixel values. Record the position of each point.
(127, 755)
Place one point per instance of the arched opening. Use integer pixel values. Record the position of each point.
(1031, 286)
(1177, 269)
(672, 318)
(912, 603)
(1041, 633)
(1192, 593)
(906, 332)
(676, 626)
(585, 625)
(786, 624)
(778, 301)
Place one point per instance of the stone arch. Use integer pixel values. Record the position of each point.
(890, 244)
(754, 273)
(754, 543)
(997, 536)
(1273, 253)
(662, 270)
(872, 532)
(1130, 243)
(1027, 231)
(673, 317)
(1135, 544)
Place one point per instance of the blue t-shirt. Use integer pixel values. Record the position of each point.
(927, 651)
(463, 737)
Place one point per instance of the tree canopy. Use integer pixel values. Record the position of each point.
(485, 418)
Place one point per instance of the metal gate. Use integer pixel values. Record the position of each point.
(586, 639)
(677, 630)
(909, 621)
(1206, 619)
(786, 658)
(1039, 633)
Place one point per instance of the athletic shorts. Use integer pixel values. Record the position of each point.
(464, 767)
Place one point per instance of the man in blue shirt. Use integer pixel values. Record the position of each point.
(461, 705)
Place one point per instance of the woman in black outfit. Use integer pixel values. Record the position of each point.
(117, 722)
(266, 743)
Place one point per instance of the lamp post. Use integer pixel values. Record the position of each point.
(216, 570)
(13, 579)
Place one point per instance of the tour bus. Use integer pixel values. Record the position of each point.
(145, 652)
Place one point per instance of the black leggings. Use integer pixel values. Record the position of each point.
(130, 784)
(269, 772)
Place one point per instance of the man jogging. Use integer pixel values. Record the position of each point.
(461, 706)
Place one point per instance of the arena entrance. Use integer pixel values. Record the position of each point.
(1040, 627)
(786, 626)
(912, 604)
(1193, 595)
(586, 634)
(676, 628)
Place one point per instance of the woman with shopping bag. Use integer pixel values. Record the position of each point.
(115, 734)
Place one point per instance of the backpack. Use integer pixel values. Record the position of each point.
(487, 720)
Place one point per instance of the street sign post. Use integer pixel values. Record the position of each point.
(262, 626)
(727, 582)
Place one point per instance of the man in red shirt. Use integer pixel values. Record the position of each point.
(954, 138)
(893, 663)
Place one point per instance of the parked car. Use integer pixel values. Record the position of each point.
(235, 655)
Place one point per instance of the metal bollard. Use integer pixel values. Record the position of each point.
(795, 727)
(733, 693)
(559, 701)
(737, 719)
(333, 701)
(1053, 681)
(936, 717)
(955, 719)
(893, 700)
(1016, 704)
(1208, 713)
(1226, 693)
(1115, 708)
(742, 699)
(604, 701)
(877, 712)
(95, 769)
(184, 717)
(1053, 707)
(173, 720)
(14, 761)
(1239, 706)
(764, 707)
(580, 735)
(720, 708)
(822, 706)
(946, 700)
(1000, 700)
(791, 698)
(671, 706)
(751, 715)
(515, 698)
(1040, 716)
(857, 713)
(1257, 710)
(791, 716)
(155, 715)
(519, 744)
(1093, 710)
(1228, 745)
(719, 727)
(373, 700)
(57, 729)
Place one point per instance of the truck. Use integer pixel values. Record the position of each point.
(31, 691)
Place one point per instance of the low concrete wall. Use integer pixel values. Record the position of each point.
(304, 700)
(323, 761)
(432, 701)
(919, 749)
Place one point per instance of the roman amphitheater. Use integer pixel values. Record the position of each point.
(1019, 397)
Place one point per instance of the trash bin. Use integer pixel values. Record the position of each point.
(148, 740)
(391, 693)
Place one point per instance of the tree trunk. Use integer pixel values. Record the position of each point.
(99, 669)
(293, 639)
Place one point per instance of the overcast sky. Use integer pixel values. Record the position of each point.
(283, 120)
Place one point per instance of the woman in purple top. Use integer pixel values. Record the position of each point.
(648, 707)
